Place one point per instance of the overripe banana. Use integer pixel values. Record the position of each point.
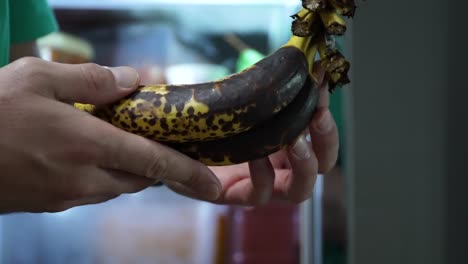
(262, 140)
(247, 115)
(213, 110)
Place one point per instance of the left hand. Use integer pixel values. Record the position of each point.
(288, 174)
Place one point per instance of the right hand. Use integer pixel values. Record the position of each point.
(54, 157)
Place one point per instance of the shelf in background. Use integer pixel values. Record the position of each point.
(132, 4)
(271, 17)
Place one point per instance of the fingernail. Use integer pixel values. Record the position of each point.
(211, 191)
(125, 77)
(325, 123)
(301, 149)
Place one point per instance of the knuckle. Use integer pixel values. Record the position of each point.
(29, 70)
(326, 168)
(157, 166)
(94, 76)
(192, 177)
(25, 63)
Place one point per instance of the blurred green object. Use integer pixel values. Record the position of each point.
(337, 109)
(334, 253)
(247, 54)
(247, 57)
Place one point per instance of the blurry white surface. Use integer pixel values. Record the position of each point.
(311, 226)
(206, 227)
(154, 226)
(194, 73)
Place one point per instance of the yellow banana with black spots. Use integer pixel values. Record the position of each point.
(248, 115)
(212, 110)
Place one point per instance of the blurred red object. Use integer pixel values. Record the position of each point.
(267, 234)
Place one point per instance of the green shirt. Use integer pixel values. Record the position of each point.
(23, 21)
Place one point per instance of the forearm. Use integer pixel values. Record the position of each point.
(23, 50)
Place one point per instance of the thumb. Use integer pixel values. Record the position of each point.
(85, 83)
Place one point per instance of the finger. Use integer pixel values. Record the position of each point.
(279, 160)
(93, 185)
(318, 72)
(84, 83)
(324, 134)
(181, 189)
(262, 177)
(120, 182)
(240, 188)
(80, 202)
(297, 184)
(324, 96)
(91, 181)
(139, 156)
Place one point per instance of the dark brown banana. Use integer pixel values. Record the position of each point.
(262, 140)
(248, 115)
(212, 110)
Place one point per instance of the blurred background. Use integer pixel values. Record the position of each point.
(177, 41)
(395, 196)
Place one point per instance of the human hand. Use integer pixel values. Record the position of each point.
(288, 174)
(54, 157)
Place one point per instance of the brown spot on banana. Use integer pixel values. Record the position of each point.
(212, 110)
(262, 140)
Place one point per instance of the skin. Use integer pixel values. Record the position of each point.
(54, 157)
(47, 168)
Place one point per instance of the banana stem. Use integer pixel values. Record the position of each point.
(311, 54)
(303, 13)
(297, 42)
(322, 48)
(308, 45)
(333, 23)
(313, 29)
(314, 5)
(303, 25)
(344, 7)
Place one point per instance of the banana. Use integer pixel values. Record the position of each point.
(247, 115)
(212, 110)
(333, 23)
(263, 140)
